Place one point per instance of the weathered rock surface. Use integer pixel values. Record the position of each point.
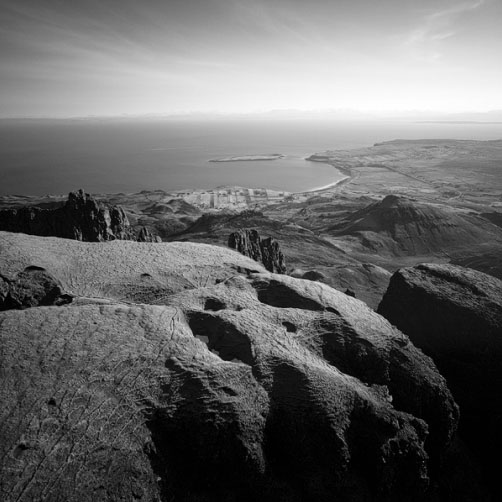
(81, 218)
(30, 288)
(238, 385)
(267, 251)
(123, 270)
(455, 316)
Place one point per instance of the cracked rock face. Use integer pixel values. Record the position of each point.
(237, 384)
(455, 315)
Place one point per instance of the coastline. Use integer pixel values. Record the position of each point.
(198, 196)
(327, 187)
(325, 160)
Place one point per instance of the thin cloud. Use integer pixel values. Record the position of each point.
(436, 27)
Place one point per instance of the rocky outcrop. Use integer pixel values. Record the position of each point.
(234, 384)
(304, 250)
(30, 288)
(145, 235)
(455, 315)
(267, 251)
(81, 218)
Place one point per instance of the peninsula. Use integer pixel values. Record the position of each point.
(248, 158)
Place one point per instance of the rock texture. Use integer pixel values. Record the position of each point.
(81, 218)
(455, 316)
(30, 288)
(267, 251)
(238, 384)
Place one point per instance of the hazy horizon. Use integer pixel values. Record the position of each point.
(489, 116)
(114, 58)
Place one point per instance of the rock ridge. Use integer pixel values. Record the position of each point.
(267, 251)
(81, 218)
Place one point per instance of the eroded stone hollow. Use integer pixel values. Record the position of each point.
(221, 337)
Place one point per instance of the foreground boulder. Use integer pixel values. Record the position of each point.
(267, 251)
(237, 384)
(30, 288)
(455, 315)
(81, 218)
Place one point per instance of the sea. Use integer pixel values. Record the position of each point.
(39, 156)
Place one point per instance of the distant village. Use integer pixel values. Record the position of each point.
(230, 197)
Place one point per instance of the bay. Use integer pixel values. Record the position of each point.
(40, 157)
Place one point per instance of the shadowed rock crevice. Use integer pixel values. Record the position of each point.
(290, 327)
(222, 337)
(278, 294)
(214, 304)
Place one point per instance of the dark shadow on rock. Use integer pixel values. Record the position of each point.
(214, 304)
(197, 456)
(223, 337)
(31, 288)
(278, 294)
(455, 316)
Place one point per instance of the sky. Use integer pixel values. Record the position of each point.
(63, 58)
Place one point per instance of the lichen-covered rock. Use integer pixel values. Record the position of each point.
(267, 251)
(236, 386)
(81, 218)
(455, 315)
